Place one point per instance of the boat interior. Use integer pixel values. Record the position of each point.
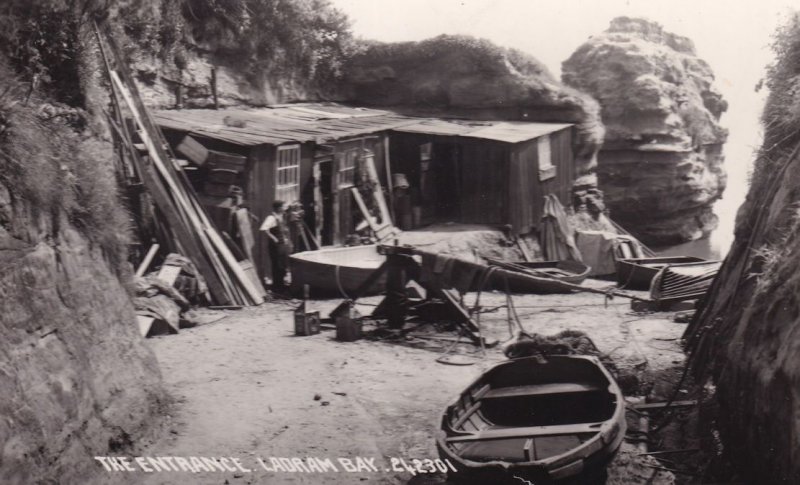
(525, 412)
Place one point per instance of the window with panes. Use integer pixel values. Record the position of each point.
(287, 174)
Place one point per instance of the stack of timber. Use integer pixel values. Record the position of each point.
(683, 282)
(184, 225)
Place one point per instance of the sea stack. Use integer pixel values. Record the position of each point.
(660, 166)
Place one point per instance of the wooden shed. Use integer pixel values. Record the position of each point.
(483, 172)
(306, 153)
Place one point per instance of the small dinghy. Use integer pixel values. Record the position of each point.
(548, 272)
(559, 420)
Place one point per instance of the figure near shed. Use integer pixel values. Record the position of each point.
(280, 244)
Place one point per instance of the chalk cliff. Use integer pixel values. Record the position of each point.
(461, 75)
(661, 164)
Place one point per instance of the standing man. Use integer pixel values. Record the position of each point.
(279, 244)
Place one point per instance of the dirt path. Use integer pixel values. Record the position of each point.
(245, 387)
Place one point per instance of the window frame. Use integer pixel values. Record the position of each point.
(287, 173)
(544, 154)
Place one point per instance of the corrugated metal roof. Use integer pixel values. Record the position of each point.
(505, 131)
(322, 123)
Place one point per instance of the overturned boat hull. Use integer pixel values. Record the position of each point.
(638, 273)
(334, 271)
(557, 421)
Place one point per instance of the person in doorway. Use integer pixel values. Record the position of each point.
(279, 244)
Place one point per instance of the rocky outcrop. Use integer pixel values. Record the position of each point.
(460, 75)
(745, 341)
(76, 379)
(661, 164)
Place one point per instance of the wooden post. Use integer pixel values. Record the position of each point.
(214, 87)
(389, 182)
(178, 96)
(395, 290)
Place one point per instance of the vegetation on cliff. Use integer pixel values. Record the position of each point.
(52, 164)
(301, 42)
(745, 341)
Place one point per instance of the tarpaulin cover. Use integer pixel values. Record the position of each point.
(555, 238)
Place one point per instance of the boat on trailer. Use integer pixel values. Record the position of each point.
(638, 273)
(559, 420)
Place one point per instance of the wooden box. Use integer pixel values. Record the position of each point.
(306, 323)
(348, 322)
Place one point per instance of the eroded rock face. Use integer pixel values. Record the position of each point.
(661, 163)
(76, 379)
(745, 339)
(460, 75)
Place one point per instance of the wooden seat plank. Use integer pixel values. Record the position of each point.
(533, 431)
(541, 389)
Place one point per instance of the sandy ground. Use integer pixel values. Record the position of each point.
(246, 387)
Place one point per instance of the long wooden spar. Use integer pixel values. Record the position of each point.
(499, 274)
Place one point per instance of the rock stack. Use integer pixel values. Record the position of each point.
(661, 164)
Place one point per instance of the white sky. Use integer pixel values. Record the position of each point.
(732, 36)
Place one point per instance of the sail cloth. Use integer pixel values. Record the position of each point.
(555, 237)
(602, 249)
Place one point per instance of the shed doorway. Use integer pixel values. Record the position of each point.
(440, 183)
(323, 201)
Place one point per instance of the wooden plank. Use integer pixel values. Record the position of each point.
(193, 150)
(495, 434)
(226, 161)
(662, 405)
(364, 211)
(144, 323)
(250, 271)
(463, 318)
(147, 260)
(540, 389)
(377, 192)
(233, 265)
(245, 228)
(525, 252)
(169, 274)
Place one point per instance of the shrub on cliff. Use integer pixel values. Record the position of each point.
(781, 117)
(49, 161)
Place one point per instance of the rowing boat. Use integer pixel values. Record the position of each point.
(547, 272)
(638, 273)
(559, 420)
(331, 271)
